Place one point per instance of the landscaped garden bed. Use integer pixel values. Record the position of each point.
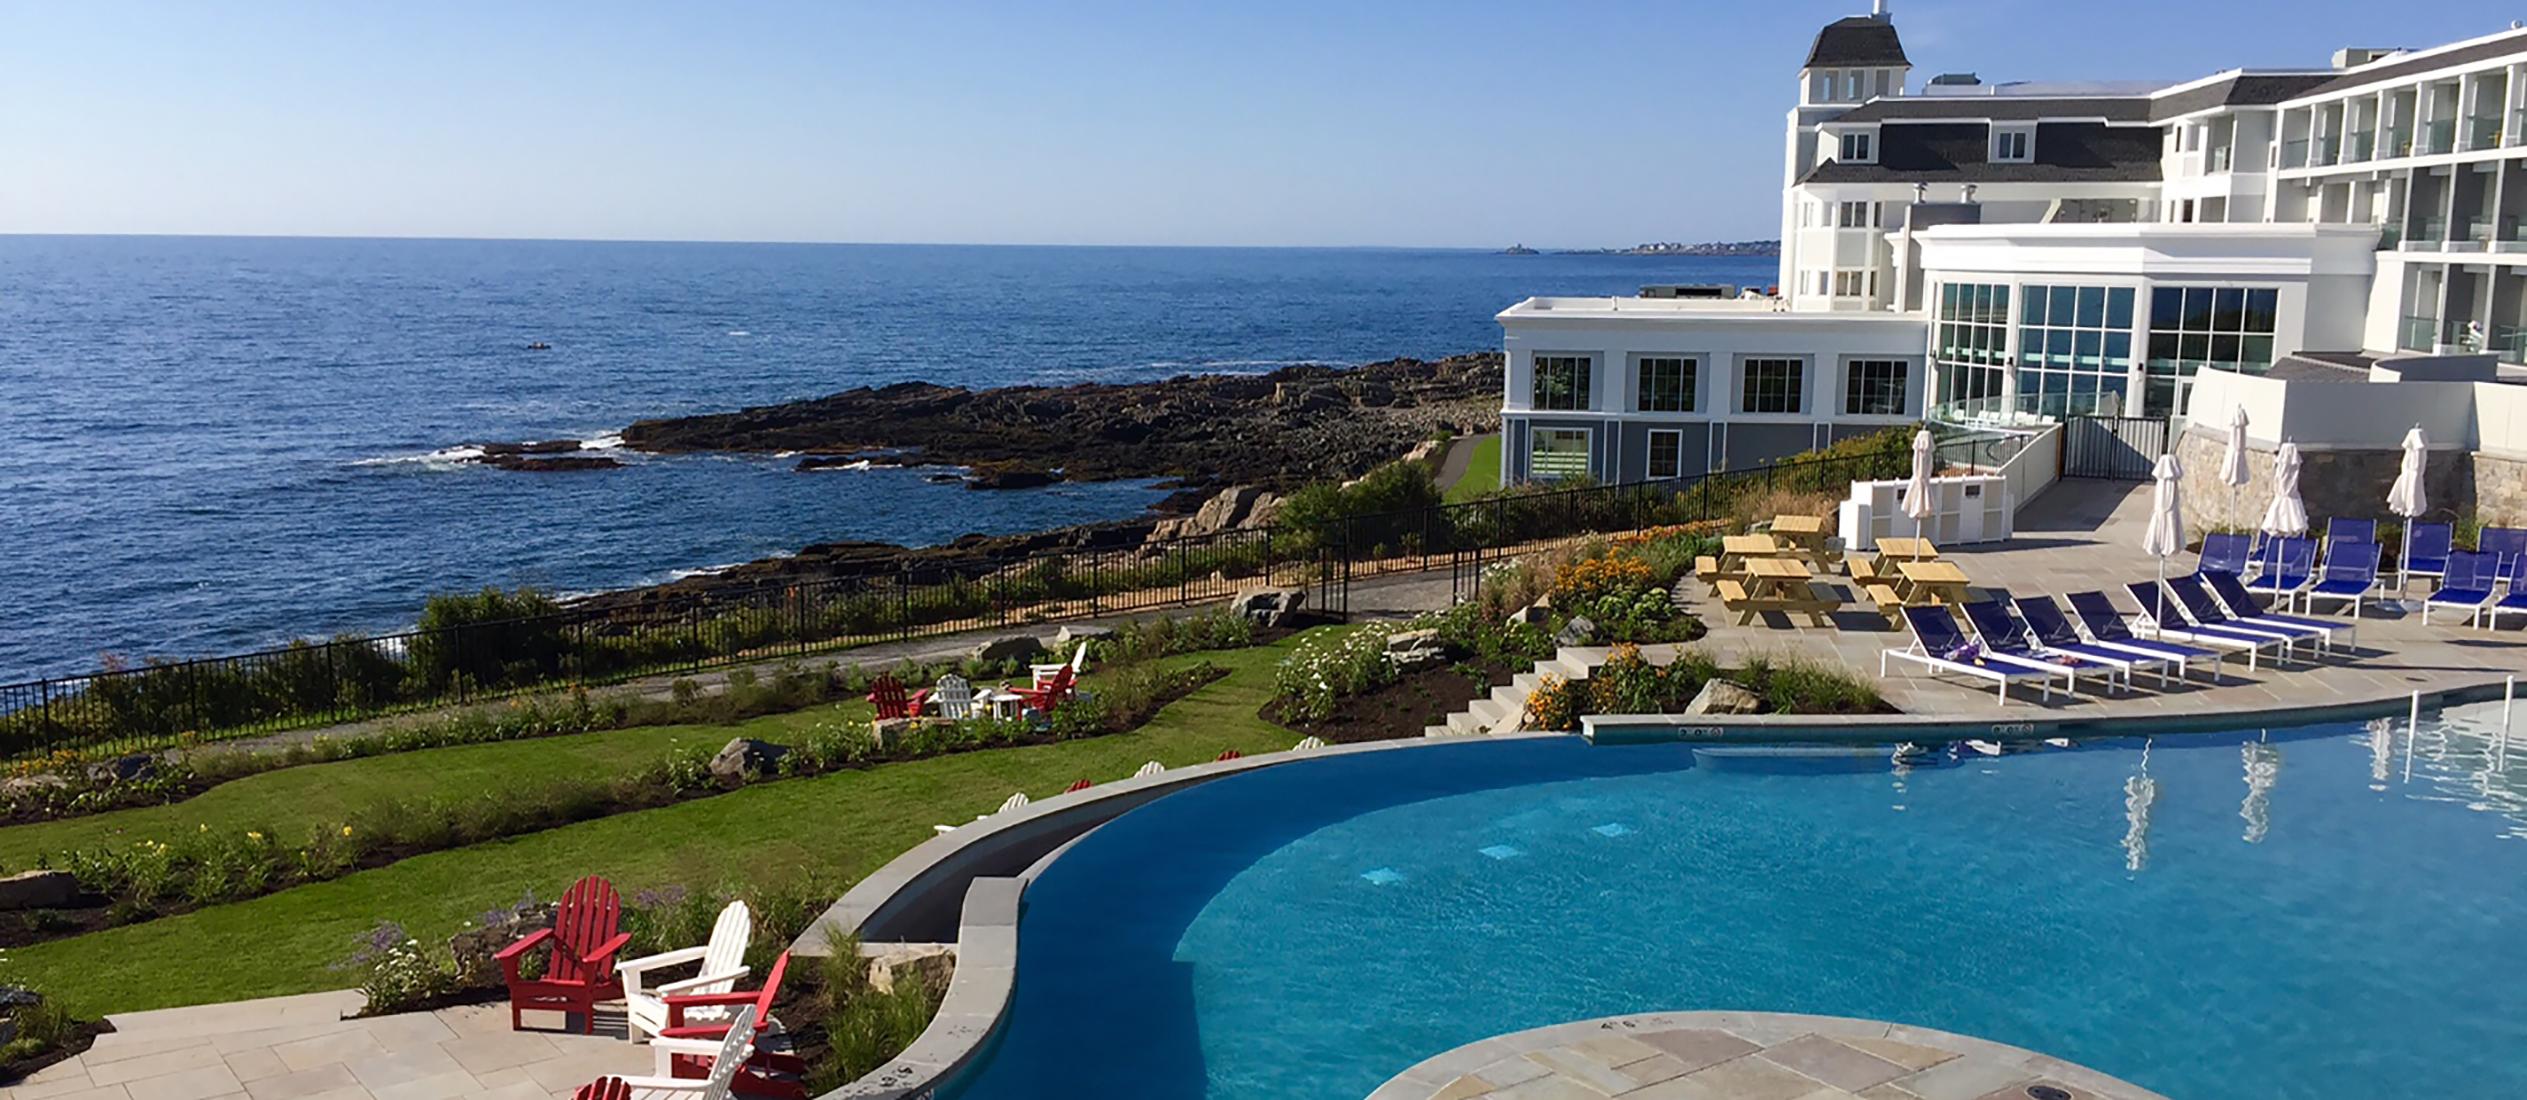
(1629, 683)
(128, 880)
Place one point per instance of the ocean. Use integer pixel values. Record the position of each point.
(219, 444)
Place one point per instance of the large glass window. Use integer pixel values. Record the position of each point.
(1667, 384)
(1773, 385)
(1972, 341)
(1875, 387)
(2192, 327)
(1561, 383)
(1856, 148)
(2074, 350)
(1667, 455)
(1557, 454)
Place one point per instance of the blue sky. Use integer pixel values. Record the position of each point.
(1359, 122)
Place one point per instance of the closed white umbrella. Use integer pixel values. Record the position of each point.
(2407, 499)
(1917, 502)
(2166, 536)
(2287, 516)
(2233, 472)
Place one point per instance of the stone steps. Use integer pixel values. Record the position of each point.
(1505, 709)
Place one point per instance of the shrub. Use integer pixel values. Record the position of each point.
(1330, 666)
(1555, 704)
(488, 639)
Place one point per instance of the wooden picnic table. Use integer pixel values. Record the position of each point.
(1750, 546)
(1905, 548)
(1775, 584)
(1932, 583)
(1806, 532)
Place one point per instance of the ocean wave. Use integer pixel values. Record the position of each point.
(739, 332)
(443, 458)
(607, 442)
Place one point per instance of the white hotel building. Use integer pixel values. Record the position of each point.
(2010, 254)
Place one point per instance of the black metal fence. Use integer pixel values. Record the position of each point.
(668, 633)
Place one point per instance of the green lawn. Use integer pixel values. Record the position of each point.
(846, 824)
(1482, 471)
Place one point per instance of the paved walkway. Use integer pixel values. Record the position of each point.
(2086, 535)
(300, 1048)
(1746, 1056)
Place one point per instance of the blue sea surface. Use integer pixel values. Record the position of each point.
(2255, 914)
(221, 443)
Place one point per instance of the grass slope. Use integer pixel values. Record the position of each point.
(1482, 471)
(843, 825)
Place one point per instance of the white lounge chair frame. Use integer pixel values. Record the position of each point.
(728, 1055)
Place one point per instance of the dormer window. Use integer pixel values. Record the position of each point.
(2013, 144)
(1859, 147)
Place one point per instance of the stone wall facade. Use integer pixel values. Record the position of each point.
(2348, 484)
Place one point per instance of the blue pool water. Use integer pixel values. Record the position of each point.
(2247, 915)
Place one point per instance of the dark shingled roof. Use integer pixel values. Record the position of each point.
(2247, 90)
(2002, 107)
(2392, 69)
(1858, 40)
(1959, 152)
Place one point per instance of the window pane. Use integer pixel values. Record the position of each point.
(2119, 307)
(2119, 349)
(2256, 351)
(2061, 308)
(2088, 349)
(1558, 453)
(2031, 306)
(2092, 306)
(2228, 309)
(2197, 313)
(2263, 310)
(2167, 307)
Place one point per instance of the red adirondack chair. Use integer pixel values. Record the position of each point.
(1079, 785)
(604, 1088)
(586, 934)
(774, 1074)
(1043, 699)
(1231, 754)
(886, 693)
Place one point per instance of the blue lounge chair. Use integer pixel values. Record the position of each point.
(2507, 547)
(2351, 573)
(2428, 557)
(2240, 603)
(2223, 554)
(2467, 587)
(1940, 647)
(2288, 568)
(2194, 598)
(2050, 626)
(2513, 604)
(2350, 530)
(2161, 618)
(2001, 631)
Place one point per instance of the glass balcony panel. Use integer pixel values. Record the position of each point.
(2483, 133)
(2399, 143)
(2361, 145)
(2439, 137)
(2294, 154)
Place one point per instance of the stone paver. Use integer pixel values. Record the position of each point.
(300, 1048)
(1745, 1056)
(2086, 535)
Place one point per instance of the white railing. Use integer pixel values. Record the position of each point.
(2364, 416)
(2037, 464)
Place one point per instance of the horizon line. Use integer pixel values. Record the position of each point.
(1596, 249)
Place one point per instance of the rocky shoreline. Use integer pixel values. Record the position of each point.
(1230, 445)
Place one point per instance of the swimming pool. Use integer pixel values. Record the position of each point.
(2256, 914)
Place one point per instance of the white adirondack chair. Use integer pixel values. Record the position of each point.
(955, 697)
(723, 962)
(728, 1054)
(1308, 744)
(1016, 801)
(1077, 664)
(1149, 769)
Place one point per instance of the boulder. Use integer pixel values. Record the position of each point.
(1580, 630)
(1425, 451)
(1235, 508)
(1014, 650)
(1532, 615)
(473, 949)
(889, 732)
(38, 890)
(1009, 477)
(1403, 640)
(745, 758)
(1269, 607)
(1723, 697)
(128, 769)
(537, 465)
(889, 961)
(1077, 632)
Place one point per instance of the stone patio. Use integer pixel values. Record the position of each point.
(1746, 1056)
(300, 1048)
(2086, 535)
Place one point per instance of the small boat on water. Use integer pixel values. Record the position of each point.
(539, 346)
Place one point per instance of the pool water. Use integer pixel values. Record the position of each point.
(2258, 914)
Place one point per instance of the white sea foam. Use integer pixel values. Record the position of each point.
(739, 332)
(443, 458)
(607, 442)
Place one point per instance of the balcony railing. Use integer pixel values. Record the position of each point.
(2326, 149)
(2389, 237)
(2433, 231)
(2359, 146)
(2399, 143)
(2508, 342)
(2439, 137)
(2220, 158)
(2483, 133)
(2418, 334)
(2294, 154)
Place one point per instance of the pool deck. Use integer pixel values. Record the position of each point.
(1746, 1056)
(2086, 535)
